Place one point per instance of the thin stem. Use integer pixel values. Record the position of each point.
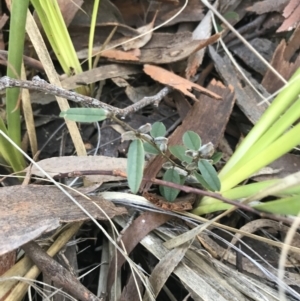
(138, 134)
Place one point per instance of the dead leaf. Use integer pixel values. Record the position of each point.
(177, 82)
(133, 12)
(283, 62)
(146, 32)
(254, 226)
(180, 204)
(246, 98)
(121, 55)
(163, 48)
(202, 32)
(138, 93)
(69, 9)
(140, 227)
(264, 46)
(29, 211)
(165, 267)
(55, 165)
(100, 73)
(292, 15)
(262, 7)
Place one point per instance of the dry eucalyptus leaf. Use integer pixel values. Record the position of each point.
(177, 82)
(262, 7)
(163, 48)
(54, 166)
(202, 32)
(98, 74)
(119, 55)
(26, 212)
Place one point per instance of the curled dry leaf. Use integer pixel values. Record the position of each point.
(177, 82)
(146, 32)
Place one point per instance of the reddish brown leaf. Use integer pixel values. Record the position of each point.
(177, 82)
(122, 55)
(283, 62)
(292, 15)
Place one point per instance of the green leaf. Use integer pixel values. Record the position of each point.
(209, 174)
(191, 140)
(150, 149)
(158, 130)
(135, 165)
(178, 151)
(288, 206)
(84, 114)
(170, 194)
(231, 15)
(216, 157)
(201, 181)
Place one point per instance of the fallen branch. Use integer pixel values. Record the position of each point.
(38, 84)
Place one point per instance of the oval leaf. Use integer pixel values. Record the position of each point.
(158, 130)
(191, 140)
(170, 194)
(178, 151)
(84, 114)
(135, 165)
(150, 149)
(209, 174)
(216, 157)
(201, 181)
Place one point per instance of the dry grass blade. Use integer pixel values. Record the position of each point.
(44, 57)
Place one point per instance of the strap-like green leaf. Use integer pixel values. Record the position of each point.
(170, 194)
(84, 114)
(135, 165)
(191, 140)
(158, 130)
(209, 174)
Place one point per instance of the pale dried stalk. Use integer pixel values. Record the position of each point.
(41, 85)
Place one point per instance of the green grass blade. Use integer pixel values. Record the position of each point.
(274, 151)
(15, 56)
(279, 105)
(92, 33)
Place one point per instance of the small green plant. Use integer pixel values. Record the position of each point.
(192, 163)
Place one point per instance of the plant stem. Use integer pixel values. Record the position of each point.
(15, 55)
